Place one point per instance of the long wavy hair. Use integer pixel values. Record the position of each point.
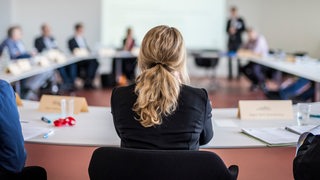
(162, 61)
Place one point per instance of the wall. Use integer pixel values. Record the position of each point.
(291, 25)
(61, 15)
(5, 16)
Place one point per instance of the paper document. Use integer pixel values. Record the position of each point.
(300, 129)
(273, 136)
(30, 131)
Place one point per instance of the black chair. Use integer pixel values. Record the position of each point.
(209, 60)
(28, 173)
(307, 161)
(119, 163)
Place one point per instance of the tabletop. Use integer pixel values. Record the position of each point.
(96, 128)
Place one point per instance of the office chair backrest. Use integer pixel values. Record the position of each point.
(207, 58)
(120, 163)
(307, 161)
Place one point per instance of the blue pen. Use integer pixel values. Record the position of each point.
(315, 115)
(44, 119)
(46, 135)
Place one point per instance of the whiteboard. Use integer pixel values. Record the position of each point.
(201, 22)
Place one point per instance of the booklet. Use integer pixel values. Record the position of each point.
(273, 136)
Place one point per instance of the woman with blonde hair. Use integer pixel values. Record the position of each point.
(160, 111)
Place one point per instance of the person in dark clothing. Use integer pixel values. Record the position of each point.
(160, 111)
(128, 42)
(47, 42)
(88, 66)
(235, 28)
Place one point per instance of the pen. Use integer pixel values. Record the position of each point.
(46, 135)
(315, 115)
(44, 119)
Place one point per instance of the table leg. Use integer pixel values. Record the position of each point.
(230, 68)
(238, 68)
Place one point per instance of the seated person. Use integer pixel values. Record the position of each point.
(12, 152)
(128, 41)
(128, 68)
(46, 42)
(161, 111)
(298, 90)
(256, 73)
(17, 51)
(89, 66)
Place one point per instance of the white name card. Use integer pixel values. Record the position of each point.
(51, 104)
(265, 110)
(80, 52)
(43, 61)
(24, 64)
(13, 68)
(55, 55)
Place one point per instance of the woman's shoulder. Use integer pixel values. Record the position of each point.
(190, 90)
(124, 89)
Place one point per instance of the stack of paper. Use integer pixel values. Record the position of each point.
(273, 136)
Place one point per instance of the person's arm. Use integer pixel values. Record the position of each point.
(228, 26)
(113, 107)
(12, 152)
(71, 45)
(38, 45)
(207, 132)
(243, 27)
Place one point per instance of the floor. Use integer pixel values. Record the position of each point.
(223, 93)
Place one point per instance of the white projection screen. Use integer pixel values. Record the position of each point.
(202, 22)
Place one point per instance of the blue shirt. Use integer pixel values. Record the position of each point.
(12, 152)
(16, 49)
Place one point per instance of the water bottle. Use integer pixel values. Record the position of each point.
(5, 58)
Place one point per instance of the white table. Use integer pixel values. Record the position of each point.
(38, 69)
(307, 68)
(73, 146)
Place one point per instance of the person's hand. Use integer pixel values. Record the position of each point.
(232, 30)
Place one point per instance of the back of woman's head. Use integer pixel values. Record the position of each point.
(162, 61)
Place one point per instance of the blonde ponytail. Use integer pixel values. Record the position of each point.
(163, 63)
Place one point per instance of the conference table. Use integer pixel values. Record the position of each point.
(307, 68)
(36, 69)
(66, 154)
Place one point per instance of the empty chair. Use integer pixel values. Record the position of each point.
(208, 59)
(119, 163)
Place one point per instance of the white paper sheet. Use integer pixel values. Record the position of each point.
(30, 131)
(273, 136)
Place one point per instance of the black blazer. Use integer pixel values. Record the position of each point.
(187, 128)
(72, 44)
(40, 45)
(235, 40)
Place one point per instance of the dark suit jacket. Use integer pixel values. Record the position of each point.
(72, 44)
(235, 40)
(187, 128)
(40, 45)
